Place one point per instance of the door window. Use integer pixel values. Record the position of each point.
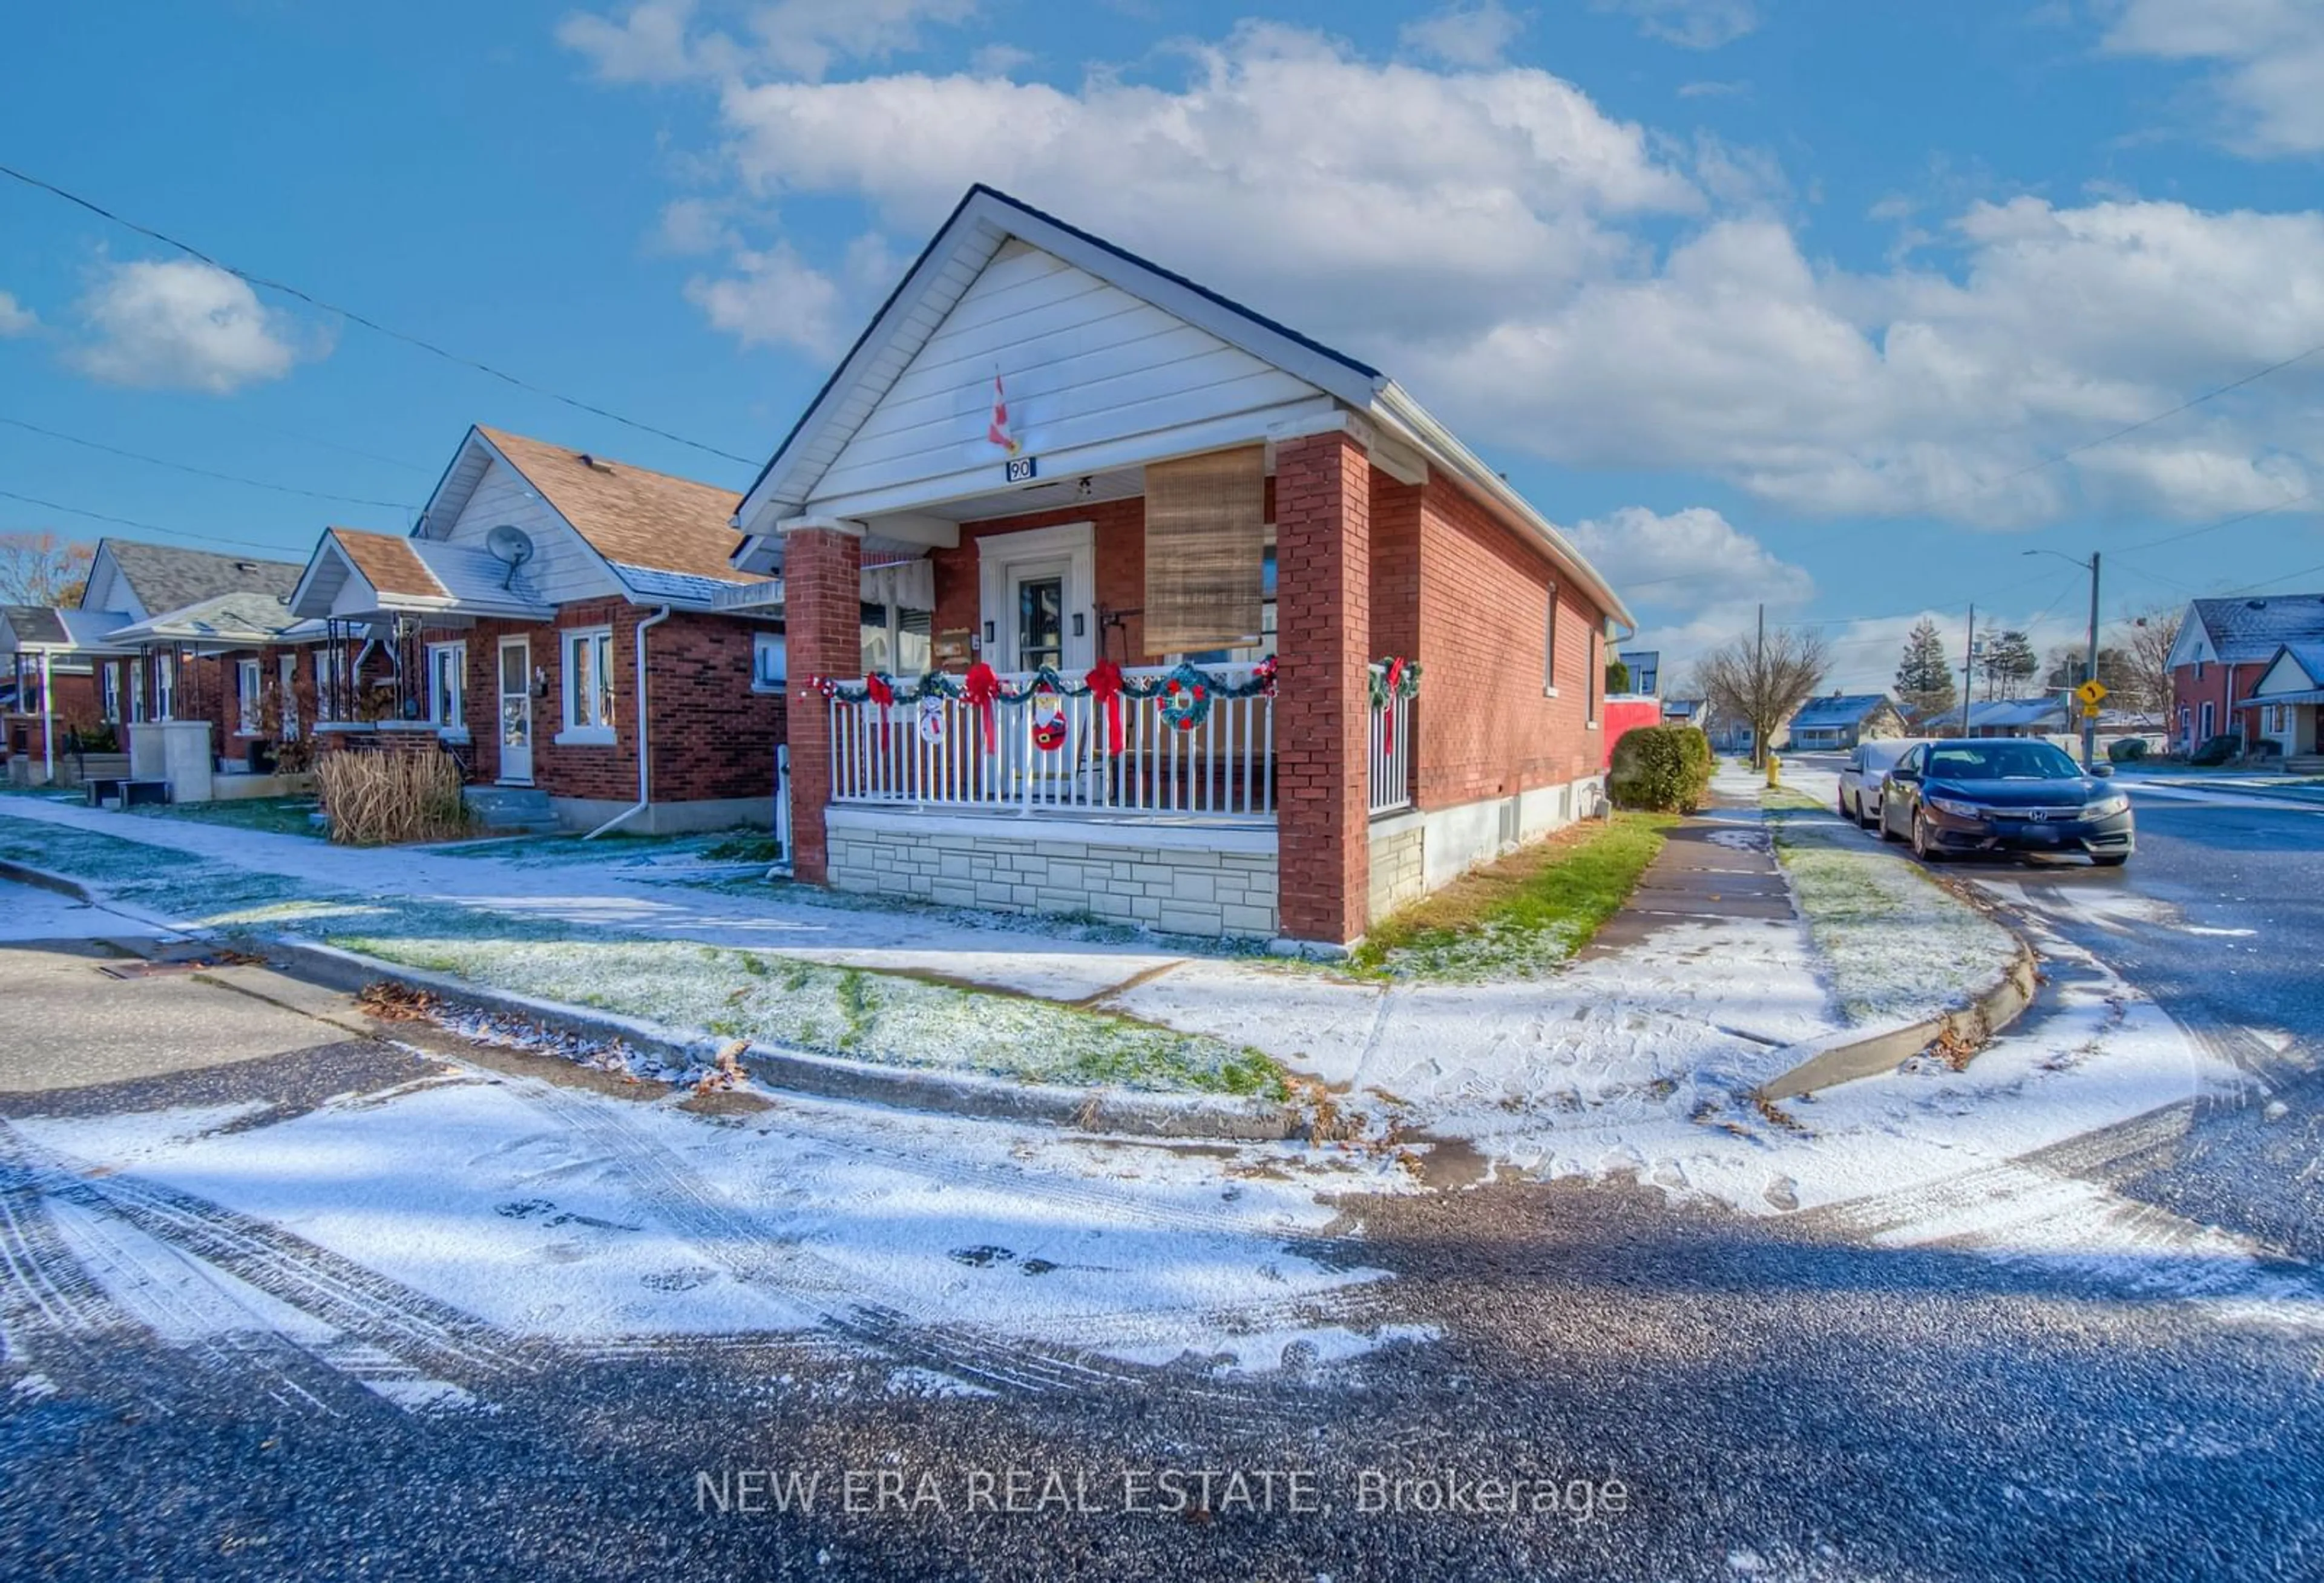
(1040, 623)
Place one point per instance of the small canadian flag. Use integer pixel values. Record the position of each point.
(998, 433)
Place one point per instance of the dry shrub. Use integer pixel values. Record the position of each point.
(375, 799)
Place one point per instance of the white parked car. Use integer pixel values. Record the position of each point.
(1861, 777)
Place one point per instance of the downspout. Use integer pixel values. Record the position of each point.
(644, 785)
(48, 723)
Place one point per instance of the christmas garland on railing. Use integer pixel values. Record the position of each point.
(1185, 691)
(1393, 678)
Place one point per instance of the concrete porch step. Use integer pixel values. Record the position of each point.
(2305, 764)
(515, 809)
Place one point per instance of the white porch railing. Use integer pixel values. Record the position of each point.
(1390, 752)
(1220, 770)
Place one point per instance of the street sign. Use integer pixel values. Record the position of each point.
(2092, 693)
(2090, 712)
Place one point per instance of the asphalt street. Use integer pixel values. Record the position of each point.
(2221, 918)
(1704, 1397)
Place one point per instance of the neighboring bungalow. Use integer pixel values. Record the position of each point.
(1839, 721)
(2225, 646)
(241, 647)
(52, 699)
(159, 677)
(1159, 580)
(1694, 712)
(572, 628)
(2284, 703)
(2046, 716)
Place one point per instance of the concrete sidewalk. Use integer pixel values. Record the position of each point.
(1717, 866)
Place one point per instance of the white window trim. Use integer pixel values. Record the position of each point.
(760, 684)
(165, 688)
(1073, 542)
(322, 685)
(112, 692)
(457, 727)
(574, 734)
(1593, 681)
(1549, 647)
(249, 695)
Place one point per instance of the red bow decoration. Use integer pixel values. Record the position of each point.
(1105, 687)
(981, 688)
(877, 690)
(1387, 709)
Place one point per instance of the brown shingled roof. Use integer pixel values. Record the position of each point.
(632, 514)
(388, 563)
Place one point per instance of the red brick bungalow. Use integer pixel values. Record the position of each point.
(2225, 647)
(511, 622)
(1045, 451)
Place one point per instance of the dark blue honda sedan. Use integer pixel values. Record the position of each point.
(2003, 795)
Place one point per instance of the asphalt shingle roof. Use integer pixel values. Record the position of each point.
(2249, 631)
(167, 577)
(632, 515)
(34, 623)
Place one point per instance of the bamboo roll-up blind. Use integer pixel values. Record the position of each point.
(1205, 547)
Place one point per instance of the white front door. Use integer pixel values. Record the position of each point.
(516, 711)
(1040, 615)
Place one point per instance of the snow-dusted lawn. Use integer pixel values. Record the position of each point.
(1895, 945)
(570, 1216)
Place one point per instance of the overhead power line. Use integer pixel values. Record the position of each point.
(315, 494)
(430, 347)
(141, 526)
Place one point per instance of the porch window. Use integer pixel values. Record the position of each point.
(1549, 645)
(447, 682)
(286, 668)
(165, 687)
(249, 683)
(1251, 653)
(137, 693)
(896, 639)
(323, 710)
(769, 662)
(588, 687)
(113, 692)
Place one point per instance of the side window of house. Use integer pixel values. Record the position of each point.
(1549, 645)
(165, 687)
(589, 680)
(1593, 676)
(769, 666)
(447, 682)
(113, 694)
(897, 639)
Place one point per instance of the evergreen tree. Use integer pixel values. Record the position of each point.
(2009, 662)
(1924, 680)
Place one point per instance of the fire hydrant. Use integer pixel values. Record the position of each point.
(1775, 772)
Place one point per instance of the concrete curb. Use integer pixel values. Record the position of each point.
(2000, 1004)
(1121, 1111)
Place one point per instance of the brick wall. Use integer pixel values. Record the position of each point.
(2221, 686)
(1323, 576)
(1395, 568)
(711, 736)
(1119, 533)
(1486, 728)
(823, 577)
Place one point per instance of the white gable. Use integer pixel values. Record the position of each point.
(1082, 363)
(2194, 644)
(2287, 675)
(563, 568)
(107, 589)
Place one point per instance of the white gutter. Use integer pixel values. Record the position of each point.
(629, 813)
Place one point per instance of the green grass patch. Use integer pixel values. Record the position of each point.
(1784, 798)
(887, 1018)
(1526, 913)
(272, 815)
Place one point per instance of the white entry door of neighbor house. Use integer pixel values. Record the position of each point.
(516, 712)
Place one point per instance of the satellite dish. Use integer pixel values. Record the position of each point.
(510, 544)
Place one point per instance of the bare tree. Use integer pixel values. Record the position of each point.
(2146, 640)
(40, 568)
(1763, 682)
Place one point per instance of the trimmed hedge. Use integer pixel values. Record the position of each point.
(2126, 750)
(1663, 768)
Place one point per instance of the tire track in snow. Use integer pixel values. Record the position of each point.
(827, 1294)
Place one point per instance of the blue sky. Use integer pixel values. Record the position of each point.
(1765, 299)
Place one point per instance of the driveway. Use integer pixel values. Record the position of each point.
(209, 1373)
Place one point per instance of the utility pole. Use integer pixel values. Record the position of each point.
(1969, 669)
(2091, 719)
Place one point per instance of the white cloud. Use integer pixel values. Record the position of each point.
(1555, 280)
(2267, 58)
(1464, 34)
(183, 325)
(772, 298)
(1696, 24)
(15, 319)
(656, 41)
(1694, 578)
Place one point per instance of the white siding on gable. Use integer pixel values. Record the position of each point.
(109, 589)
(563, 567)
(1083, 362)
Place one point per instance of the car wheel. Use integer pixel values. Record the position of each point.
(1923, 848)
(2109, 860)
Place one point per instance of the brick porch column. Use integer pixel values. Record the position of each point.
(1322, 533)
(823, 575)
